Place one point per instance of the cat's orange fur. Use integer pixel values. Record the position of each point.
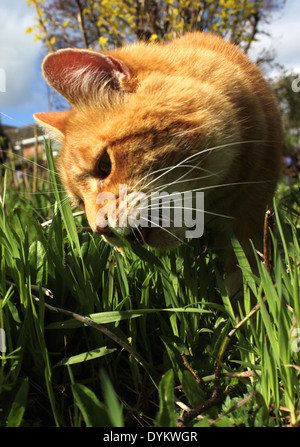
(152, 106)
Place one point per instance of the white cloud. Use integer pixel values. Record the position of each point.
(284, 37)
(18, 52)
(287, 36)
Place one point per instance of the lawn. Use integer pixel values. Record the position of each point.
(95, 337)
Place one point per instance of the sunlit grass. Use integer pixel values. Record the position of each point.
(98, 337)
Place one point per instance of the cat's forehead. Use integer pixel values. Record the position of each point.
(85, 128)
(96, 129)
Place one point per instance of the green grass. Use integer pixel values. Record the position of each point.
(95, 337)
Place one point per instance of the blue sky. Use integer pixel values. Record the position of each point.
(20, 57)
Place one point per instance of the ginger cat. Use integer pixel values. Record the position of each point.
(190, 115)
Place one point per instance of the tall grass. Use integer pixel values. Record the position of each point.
(96, 337)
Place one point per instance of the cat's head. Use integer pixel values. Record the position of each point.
(134, 130)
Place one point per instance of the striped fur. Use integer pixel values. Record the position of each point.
(195, 110)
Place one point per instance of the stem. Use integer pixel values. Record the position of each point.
(81, 23)
(105, 331)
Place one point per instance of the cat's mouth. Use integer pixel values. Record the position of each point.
(154, 237)
(138, 235)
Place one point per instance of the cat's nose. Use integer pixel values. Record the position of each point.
(102, 226)
(102, 230)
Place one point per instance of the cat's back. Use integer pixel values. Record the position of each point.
(206, 59)
(210, 42)
(192, 53)
(210, 53)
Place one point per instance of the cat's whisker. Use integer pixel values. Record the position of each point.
(51, 205)
(61, 203)
(224, 185)
(178, 165)
(185, 132)
(192, 168)
(200, 169)
(164, 229)
(29, 175)
(166, 169)
(167, 195)
(140, 233)
(149, 173)
(49, 222)
(27, 160)
(162, 187)
(205, 151)
(130, 182)
(36, 193)
(155, 208)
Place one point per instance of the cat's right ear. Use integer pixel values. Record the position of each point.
(55, 123)
(79, 75)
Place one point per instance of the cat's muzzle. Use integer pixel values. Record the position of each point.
(138, 235)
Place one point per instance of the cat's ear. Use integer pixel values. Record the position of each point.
(54, 122)
(79, 74)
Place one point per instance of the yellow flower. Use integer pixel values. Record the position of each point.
(102, 40)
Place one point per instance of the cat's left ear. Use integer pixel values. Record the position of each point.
(79, 74)
(54, 122)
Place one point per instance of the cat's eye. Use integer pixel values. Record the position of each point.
(104, 166)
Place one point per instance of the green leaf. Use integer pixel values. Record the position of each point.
(166, 416)
(18, 407)
(118, 315)
(93, 411)
(144, 254)
(123, 280)
(192, 389)
(85, 356)
(244, 264)
(174, 350)
(114, 409)
(66, 210)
